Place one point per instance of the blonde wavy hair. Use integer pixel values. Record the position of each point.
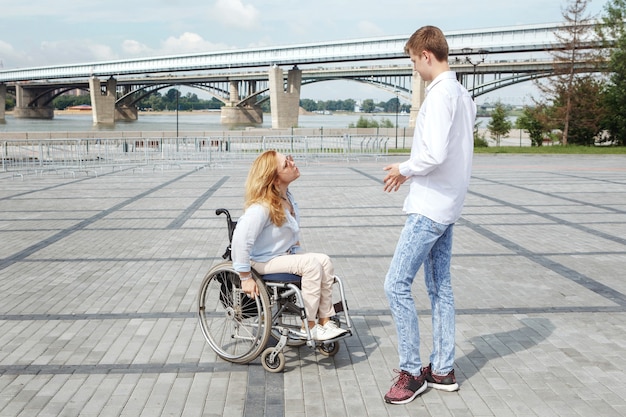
(261, 186)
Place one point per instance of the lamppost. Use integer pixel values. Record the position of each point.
(177, 94)
(482, 53)
(397, 109)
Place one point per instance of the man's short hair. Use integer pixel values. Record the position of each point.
(428, 38)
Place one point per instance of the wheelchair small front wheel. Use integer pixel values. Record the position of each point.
(277, 364)
(329, 349)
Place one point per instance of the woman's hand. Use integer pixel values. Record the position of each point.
(250, 288)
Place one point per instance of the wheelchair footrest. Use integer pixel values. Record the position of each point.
(348, 333)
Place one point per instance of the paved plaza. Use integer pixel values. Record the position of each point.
(99, 278)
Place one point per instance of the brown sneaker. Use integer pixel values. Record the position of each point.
(406, 388)
(443, 383)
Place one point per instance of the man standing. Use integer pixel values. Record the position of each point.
(439, 170)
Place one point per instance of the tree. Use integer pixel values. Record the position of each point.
(392, 105)
(499, 126)
(535, 121)
(587, 111)
(479, 138)
(576, 31)
(171, 95)
(613, 27)
(368, 106)
(364, 122)
(64, 101)
(308, 104)
(343, 105)
(9, 103)
(386, 123)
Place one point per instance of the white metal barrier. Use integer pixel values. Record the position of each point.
(92, 156)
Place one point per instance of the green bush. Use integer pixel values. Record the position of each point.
(364, 122)
(480, 142)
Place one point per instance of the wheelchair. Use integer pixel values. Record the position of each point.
(239, 328)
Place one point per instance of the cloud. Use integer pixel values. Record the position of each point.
(234, 13)
(189, 42)
(368, 29)
(74, 51)
(9, 57)
(184, 44)
(6, 48)
(135, 48)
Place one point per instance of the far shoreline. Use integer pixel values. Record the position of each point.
(205, 112)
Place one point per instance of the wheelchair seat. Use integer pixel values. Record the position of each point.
(283, 277)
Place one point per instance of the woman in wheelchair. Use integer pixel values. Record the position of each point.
(267, 239)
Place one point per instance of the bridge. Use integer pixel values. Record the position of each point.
(234, 76)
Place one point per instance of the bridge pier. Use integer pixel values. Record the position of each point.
(103, 108)
(33, 102)
(285, 104)
(234, 113)
(3, 101)
(103, 100)
(418, 94)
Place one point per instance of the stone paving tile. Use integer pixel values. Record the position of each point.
(99, 279)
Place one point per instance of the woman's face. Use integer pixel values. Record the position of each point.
(287, 169)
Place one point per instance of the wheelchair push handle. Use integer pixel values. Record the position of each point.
(229, 221)
(220, 211)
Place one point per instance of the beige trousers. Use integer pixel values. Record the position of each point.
(317, 273)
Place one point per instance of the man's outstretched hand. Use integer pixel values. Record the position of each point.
(393, 180)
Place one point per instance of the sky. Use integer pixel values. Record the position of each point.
(44, 32)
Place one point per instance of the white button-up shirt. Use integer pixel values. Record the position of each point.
(441, 155)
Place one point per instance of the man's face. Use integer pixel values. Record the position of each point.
(421, 64)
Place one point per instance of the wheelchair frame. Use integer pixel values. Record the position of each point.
(238, 328)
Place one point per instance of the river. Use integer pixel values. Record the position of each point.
(196, 121)
(210, 122)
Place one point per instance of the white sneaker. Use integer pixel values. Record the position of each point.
(326, 332)
(331, 325)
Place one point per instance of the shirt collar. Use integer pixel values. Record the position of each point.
(443, 76)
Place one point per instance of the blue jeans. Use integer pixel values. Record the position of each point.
(428, 243)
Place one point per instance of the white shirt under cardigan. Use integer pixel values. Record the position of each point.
(441, 155)
(257, 238)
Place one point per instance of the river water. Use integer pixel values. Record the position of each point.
(186, 121)
(210, 122)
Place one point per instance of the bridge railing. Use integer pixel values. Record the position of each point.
(95, 156)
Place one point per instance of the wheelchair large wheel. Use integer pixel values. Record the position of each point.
(236, 327)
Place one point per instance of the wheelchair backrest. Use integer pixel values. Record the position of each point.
(231, 229)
